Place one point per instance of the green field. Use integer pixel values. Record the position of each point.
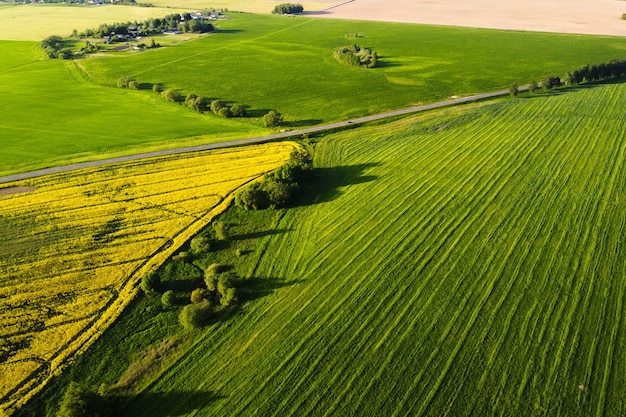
(51, 115)
(262, 62)
(287, 64)
(463, 263)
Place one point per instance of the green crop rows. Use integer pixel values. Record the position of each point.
(460, 264)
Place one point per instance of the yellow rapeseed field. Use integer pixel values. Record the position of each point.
(74, 250)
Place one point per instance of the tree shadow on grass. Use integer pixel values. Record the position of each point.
(326, 183)
(256, 235)
(166, 404)
(256, 287)
(570, 89)
(302, 123)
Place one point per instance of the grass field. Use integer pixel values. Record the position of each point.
(53, 116)
(27, 22)
(81, 241)
(287, 64)
(466, 264)
(262, 62)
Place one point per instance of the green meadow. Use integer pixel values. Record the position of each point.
(51, 115)
(71, 111)
(468, 262)
(287, 64)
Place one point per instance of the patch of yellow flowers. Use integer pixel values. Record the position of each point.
(73, 251)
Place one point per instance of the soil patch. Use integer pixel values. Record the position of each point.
(592, 17)
(16, 190)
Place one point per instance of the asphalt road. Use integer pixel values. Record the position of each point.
(258, 139)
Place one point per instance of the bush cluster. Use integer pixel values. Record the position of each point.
(356, 56)
(277, 188)
(288, 8)
(53, 46)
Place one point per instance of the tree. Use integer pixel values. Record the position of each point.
(171, 95)
(190, 100)
(150, 283)
(221, 230)
(194, 316)
(133, 85)
(198, 295)
(251, 198)
(513, 90)
(272, 119)
(224, 112)
(237, 110)
(533, 86)
(168, 299)
(211, 275)
(200, 104)
(216, 105)
(200, 244)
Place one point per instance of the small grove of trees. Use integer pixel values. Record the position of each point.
(288, 8)
(219, 290)
(54, 47)
(79, 401)
(279, 187)
(272, 119)
(356, 56)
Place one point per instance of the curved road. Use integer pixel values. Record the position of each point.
(258, 139)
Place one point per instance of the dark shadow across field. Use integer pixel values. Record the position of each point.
(256, 287)
(303, 123)
(256, 235)
(170, 403)
(570, 89)
(326, 183)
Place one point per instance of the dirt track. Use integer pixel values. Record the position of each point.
(594, 17)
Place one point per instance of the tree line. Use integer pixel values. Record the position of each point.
(590, 73)
(184, 22)
(288, 8)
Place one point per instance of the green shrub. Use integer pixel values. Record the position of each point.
(272, 119)
(221, 230)
(133, 85)
(150, 283)
(356, 56)
(200, 244)
(198, 295)
(237, 111)
(194, 316)
(124, 82)
(224, 112)
(168, 299)
(217, 105)
(171, 95)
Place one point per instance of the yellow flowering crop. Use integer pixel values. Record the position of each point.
(74, 250)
